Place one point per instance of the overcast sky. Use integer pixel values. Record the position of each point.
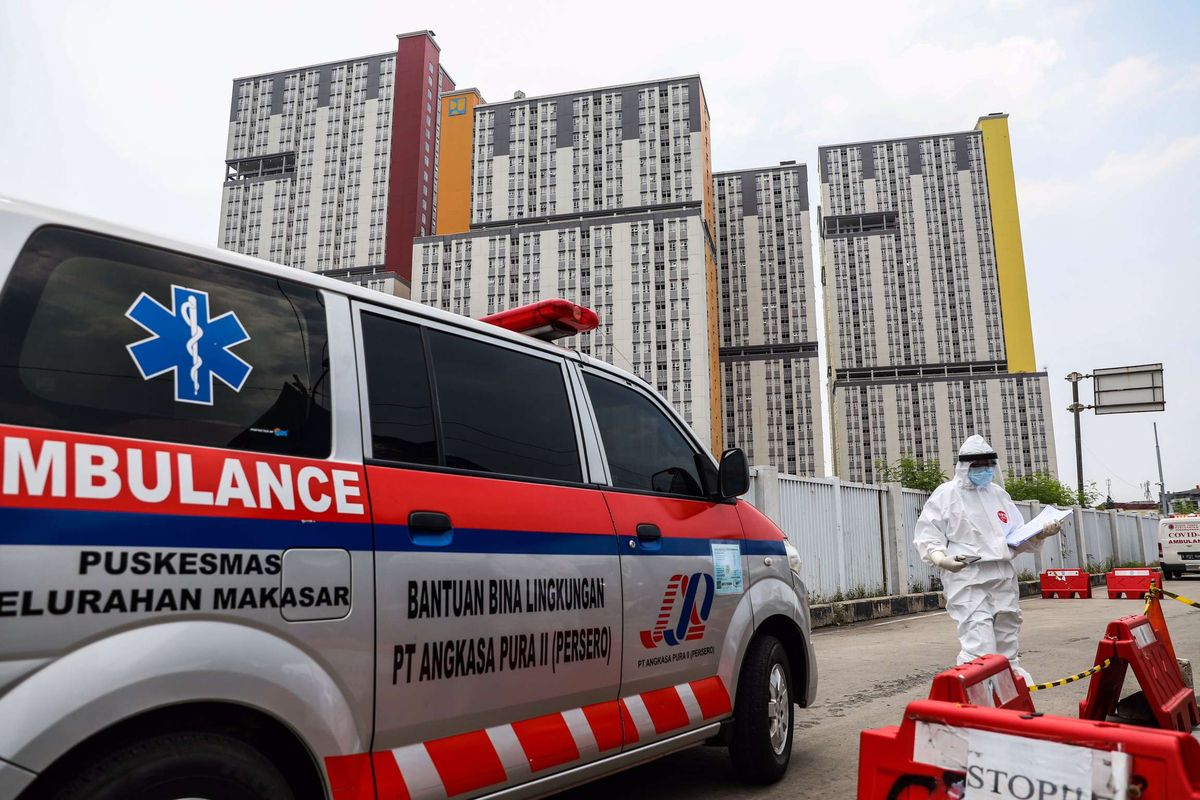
(120, 110)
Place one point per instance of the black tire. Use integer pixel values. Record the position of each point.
(763, 720)
(180, 765)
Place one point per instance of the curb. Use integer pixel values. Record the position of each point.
(847, 612)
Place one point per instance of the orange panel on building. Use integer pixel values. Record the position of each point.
(454, 160)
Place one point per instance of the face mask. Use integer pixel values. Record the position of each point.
(981, 476)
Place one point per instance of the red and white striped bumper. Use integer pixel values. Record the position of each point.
(517, 752)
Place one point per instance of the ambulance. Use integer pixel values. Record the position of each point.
(270, 536)
(1179, 546)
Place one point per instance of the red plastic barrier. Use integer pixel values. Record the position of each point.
(1131, 641)
(1131, 584)
(1165, 765)
(986, 681)
(1066, 583)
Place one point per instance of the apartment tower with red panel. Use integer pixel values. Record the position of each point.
(333, 168)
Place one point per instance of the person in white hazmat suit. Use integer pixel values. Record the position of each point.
(962, 530)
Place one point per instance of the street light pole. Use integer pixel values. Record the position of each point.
(1162, 487)
(1076, 408)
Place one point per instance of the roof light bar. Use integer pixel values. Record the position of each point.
(546, 319)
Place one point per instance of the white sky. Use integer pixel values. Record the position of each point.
(119, 110)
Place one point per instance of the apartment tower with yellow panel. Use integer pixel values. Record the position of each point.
(926, 303)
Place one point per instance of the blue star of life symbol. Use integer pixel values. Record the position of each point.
(184, 340)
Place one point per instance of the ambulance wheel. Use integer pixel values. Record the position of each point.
(762, 721)
(195, 766)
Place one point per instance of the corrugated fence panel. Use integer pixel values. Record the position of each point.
(1026, 561)
(1148, 526)
(808, 517)
(1066, 555)
(1096, 537)
(862, 525)
(749, 495)
(1130, 538)
(919, 572)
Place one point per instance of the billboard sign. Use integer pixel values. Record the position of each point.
(1127, 390)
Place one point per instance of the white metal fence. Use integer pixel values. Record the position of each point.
(856, 540)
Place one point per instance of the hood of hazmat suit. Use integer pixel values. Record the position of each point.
(962, 519)
(975, 449)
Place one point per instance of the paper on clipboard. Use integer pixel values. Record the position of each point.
(1049, 514)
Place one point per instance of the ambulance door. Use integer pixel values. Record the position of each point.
(498, 588)
(682, 565)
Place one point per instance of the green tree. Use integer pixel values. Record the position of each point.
(911, 473)
(1046, 489)
(1185, 507)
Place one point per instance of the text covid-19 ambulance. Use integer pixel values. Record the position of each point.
(269, 535)
(1179, 545)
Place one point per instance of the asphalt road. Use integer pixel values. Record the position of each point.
(870, 672)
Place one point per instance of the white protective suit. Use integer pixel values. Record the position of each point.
(963, 519)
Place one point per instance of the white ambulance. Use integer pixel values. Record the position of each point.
(269, 536)
(1179, 546)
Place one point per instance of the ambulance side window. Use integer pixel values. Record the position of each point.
(398, 388)
(107, 336)
(503, 411)
(645, 450)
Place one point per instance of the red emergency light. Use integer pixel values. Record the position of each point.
(546, 319)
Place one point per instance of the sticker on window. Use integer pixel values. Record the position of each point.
(727, 567)
(187, 341)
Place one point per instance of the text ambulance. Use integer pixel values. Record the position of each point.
(269, 535)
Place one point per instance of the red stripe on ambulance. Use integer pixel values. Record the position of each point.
(387, 777)
(350, 777)
(712, 696)
(60, 470)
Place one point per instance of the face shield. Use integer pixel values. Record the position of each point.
(977, 464)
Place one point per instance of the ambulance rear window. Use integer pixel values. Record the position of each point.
(105, 336)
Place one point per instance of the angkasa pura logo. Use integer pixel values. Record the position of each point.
(684, 610)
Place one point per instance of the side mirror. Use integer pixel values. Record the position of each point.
(733, 477)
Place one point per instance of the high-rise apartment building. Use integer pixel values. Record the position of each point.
(333, 168)
(771, 391)
(926, 303)
(604, 197)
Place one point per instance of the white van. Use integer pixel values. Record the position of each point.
(1179, 545)
(269, 536)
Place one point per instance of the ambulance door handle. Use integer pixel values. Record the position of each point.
(429, 522)
(648, 532)
(430, 528)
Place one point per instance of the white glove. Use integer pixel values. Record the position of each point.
(940, 559)
(1050, 530)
